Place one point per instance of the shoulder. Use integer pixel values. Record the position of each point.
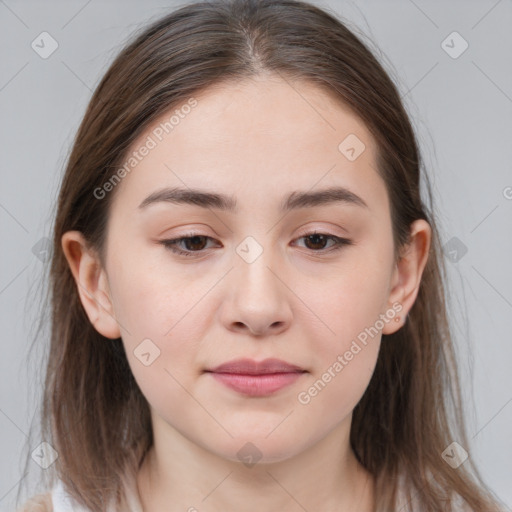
(38, 503)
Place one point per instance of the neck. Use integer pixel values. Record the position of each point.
(178, 474)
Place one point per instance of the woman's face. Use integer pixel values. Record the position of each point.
(253, 284)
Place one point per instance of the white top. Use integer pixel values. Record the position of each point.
(63, 502)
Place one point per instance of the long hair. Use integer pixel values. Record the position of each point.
(93, 413)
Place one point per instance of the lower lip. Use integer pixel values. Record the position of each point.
(257, 385)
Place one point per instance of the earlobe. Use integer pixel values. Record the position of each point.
(92, 284)
(408, 273)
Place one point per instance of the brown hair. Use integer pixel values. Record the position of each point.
(93, 412)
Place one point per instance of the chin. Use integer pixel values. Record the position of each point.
(251, 448)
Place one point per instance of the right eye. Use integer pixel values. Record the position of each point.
(194, 242)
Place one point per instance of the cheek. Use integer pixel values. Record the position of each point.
(343, 361)
(155, 301)
(344, 335)
(346, 305)
(162, 325)
(331, 395)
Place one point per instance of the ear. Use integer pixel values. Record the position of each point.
(406, 278)
(92, 283)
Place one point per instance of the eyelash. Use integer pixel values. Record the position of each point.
(171, 244)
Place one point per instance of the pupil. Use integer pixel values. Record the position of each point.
(316, 237)
(195, 240)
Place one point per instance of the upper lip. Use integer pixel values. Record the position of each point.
(252, 367)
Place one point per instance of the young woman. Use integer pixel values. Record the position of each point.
(248, 309)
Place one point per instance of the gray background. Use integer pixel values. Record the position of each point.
(461, 108)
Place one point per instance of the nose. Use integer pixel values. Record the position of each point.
(258, 300)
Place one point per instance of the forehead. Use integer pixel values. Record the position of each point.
(264, 135)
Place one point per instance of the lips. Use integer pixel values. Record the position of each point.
(251, 367)
(256, 379)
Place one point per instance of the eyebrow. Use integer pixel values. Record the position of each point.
(295, 200)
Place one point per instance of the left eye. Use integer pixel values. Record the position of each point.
(319, 238)
(196, 243)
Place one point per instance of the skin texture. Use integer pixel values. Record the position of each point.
(257, 140)
(38, 503)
